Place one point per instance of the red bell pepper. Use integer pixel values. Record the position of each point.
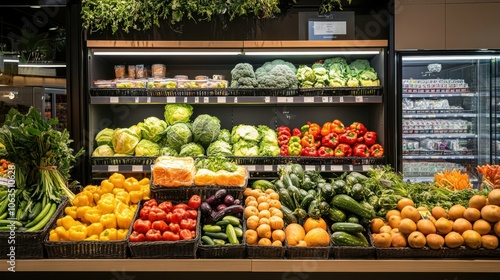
(343, 150)
(168, 218)
(194, 201)
(337, 127)
(159, 225)
(155, 214)
(370, 138)
(309, 152)
(142, 226)
(166, 206)
(150, 203)
(192, 214)
(296, 132)
(185, 234)
(349, 138)
(330, 140)
(188, 224)
(358, 127)
(325, 152)
(361, 150)
(170, 236)
(283, 128)
(314, 130)
(174, 227)
(308, 140)
(144, 213)
(137, 237)
(284, 151)
(360, 140)
(181, 206)
(283, 139)
(153, 235)
(177, 215)
(376, 150)
(326, 129)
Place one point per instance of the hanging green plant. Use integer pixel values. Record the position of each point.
(126, 15)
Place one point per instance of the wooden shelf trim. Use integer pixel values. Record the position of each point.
(236, 44)
(257, 265)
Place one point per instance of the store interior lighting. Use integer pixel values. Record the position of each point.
(448, 57)
(232, 53)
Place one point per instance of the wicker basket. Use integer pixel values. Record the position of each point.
(265, 252)
(229, 251)
(113, 249)
(311, 253)
(481, 253)
(182, 249)
(423, 253)
(127, 160)
(175, 193)
(29, 245)
(355, 252)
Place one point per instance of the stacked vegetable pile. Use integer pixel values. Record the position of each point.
(43, 160)
(332, 139)
(103, 212)
(272, 74)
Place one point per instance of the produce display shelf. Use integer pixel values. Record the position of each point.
(433, 116)
(439, 157)
(440, 136)
(235, 99)
(440, 95)
(424, 179)
(257, 265)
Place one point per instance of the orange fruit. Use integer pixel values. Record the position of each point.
(251, 236)
(311, 223)
(317, 237)
(278, 234)
(404, 202)
(264, 231)
(294, 233)
(376, 224)
(416, 240)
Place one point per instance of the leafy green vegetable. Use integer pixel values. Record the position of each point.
(152, 128)
(277, 74)
(147, 148)
(267, 149)
(216, 163)
(168, 151)
(104, 136)
(243, 76)
(206, 129)
(178, 135)
(224, 135)
(246, 148)
(244, 132)
(124, 141)
(267, 135)
(137, 128)
(219, 148)
(192, 149)
(104, 150)
(175, 113)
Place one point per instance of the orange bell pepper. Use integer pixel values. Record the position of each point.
(314, 130)
(326, 129)
(308, 140)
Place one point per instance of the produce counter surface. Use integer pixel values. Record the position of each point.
(256, 265)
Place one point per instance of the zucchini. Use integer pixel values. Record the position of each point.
(298, 170)
(342, 238)
(358, 192)
(286, 199)
(262, 185)
(347, 227)
(352, 218)
(336, 215)
(348, 203)
(313, 192)
(304, 204)
(288, 216)
(287, 181)
(300, 213)
(313, 210)
(303, 193)
(278, 185)
(308, 183)
(206, 240)
(340, 187)
(327, 191)
(351, 180)
(295, 179)
(231, 235)
(360, 177)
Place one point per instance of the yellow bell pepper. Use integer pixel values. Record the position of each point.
(135, 196)
(106, 186)
(90, 188)
(92, 238)
(94, 229)
(77, 233)
(131, 184)
(93, 215)
(120, 206)
(71, 211)
(121, 234)
(109, 234)
(67, 222)
(124, 218)
(108, 220)
(81, 199)
(146, 192)
(118, 190)
(133, 207)
(117, 180)
(144, 181)
(62, 233)
(107, 196)
(96, 195)
(80, 211)
(123, 197)
(106, 205)
(53, 236)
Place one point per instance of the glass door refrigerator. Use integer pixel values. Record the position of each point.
(445, 116)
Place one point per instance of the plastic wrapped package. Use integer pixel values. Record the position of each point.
(204, 177)
(170, 171)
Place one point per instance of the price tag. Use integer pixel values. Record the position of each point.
(221, 99)
(136, 100)
(289, 99)
(366, 167)
(336, 168)
(323, 168)
(267, 99)
(282, 99)
(114, 99)
(137, 168)
(425, 214)
(358, 99)
(206, 99)
(309, 99)
(112, 168)
(197, 99)
(250, 167)
(268, 168)
(148, 99)
(324, 99)
(341, 99)
(434, 157)
(170, 99)
(432, 116)
(236, 99)
(309, 167)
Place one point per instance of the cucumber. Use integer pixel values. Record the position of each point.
(262, 184)
(10, 222)
(342, 238)
(216, 235)
(285, 199)
(287, 181)
(351, 218)
(232, 220)
(212, 228)
(360, 177)
(35, 211)
(347, 227)
(222, 223)
(206, 240)
(336, 215)
(219, 241)
(348, 203)
(238, 231)
(288, 216)
(295, 180)
(231, 235)
(278, 185)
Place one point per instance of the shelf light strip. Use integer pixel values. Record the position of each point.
(255, 53)
(449, 57)
(42, 65)
(313, 53)
(166, 53)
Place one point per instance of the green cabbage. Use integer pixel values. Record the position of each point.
(246, 148)
(137, 129)
(103, 151)
(219, 148)
(178, 135)
(175, 113)
(244, 132)
(168, 151)
(268, 135)
(192, 149)
(147, 148)
(104, 136)
(153, 128)
(224, 135)
(206, 129)
(124, 141)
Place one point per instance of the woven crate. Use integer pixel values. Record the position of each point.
(175, 193)
(182, 249)
(113, 249)
(480, 253)
(29, 245)
(355, 252)
(228, 251)
(265, 252)
(310, 253)
(423, 253)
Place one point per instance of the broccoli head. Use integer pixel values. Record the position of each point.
(281, 76)
(243, 76)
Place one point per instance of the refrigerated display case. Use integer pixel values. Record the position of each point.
(55, 104)
(445, 113)
(495, 145)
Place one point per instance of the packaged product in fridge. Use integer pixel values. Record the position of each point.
(131, 72)
(119, 71)
(139, 71)
(158, 70)
(171, 171)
